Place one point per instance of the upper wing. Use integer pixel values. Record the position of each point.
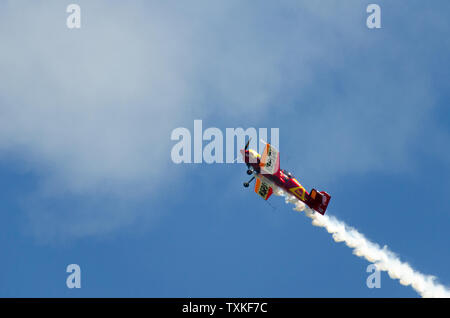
(263, 188)
(270, 160)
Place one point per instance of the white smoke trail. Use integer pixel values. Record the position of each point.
(383, 258)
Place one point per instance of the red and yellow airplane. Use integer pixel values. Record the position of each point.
(266, 170)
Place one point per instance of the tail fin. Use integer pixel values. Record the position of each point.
(319, 201)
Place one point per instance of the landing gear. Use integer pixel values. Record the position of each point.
(246, 184)
(249, 172)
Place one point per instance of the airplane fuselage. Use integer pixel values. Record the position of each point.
(280, 178)
(268, 173)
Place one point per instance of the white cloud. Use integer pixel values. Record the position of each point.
(92, 109)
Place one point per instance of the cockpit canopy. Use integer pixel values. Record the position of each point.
(287, 173)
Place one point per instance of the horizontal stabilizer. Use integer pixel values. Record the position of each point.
(319, 201)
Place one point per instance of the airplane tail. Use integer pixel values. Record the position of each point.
(319, 201)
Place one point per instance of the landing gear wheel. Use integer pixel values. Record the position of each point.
(249, 172)
(246, 184)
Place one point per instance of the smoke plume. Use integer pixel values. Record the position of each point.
(383, 258)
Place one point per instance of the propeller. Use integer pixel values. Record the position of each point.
(247, 144)
(246, 148)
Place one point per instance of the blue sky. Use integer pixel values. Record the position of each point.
(85, 122)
